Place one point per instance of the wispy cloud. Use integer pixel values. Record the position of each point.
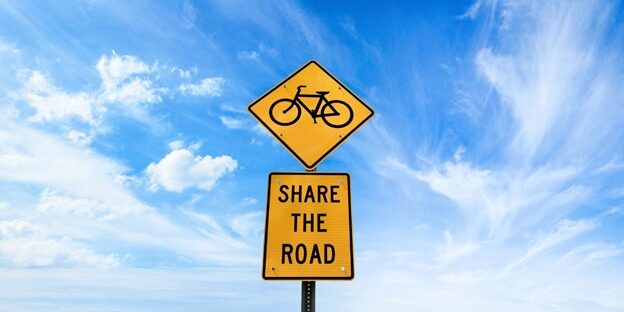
(207, 87)
(232, 123)
(501, 200)
(189, 14)
(303, 27)
(557, 80)
(542, 154)
(53, 202)
(472, 11)
(23, 244)
(565, 230)
(6, 47)
(248, 225)
(549, 79)
(34, 157)
(453, 251)
(249, 55)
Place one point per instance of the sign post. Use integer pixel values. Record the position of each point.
(308, 296)
(308, 288)
(308, 231)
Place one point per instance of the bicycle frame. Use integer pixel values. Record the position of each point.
(315, 112)
(324, 108)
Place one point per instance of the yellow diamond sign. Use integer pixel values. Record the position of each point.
(311, 113)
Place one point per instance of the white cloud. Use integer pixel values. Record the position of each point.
(534, 163)
(60, 204)
(205, 220)
(593, 252)
(612, 165)
(266, 50)
(120, 83)
(177, 144)
(498, 209)
(40, 252)
(84, 201)
(127, 289)
(472, 11)
(232, 123)
(565, 230)
(49, 252)
(248, 225)
(23, 244)
(310, 28)
(6, 47)
(499, 200)
(391, 164)
(127, 84)
(115, 69)
(453, 251)
(291, 20)
(33, 157)
(182, 73)
(232, 109)
(52, 103)
(213, 230)
(17, 228)
(181, 169)
(134, 92)
(189, 15)
(208, 87)
(255, 55)
(248, 55)
(557, 81)
(261, 131)
(80, 137)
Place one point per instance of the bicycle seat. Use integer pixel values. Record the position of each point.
(322, 92)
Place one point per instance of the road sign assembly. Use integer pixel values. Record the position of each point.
(308, 232)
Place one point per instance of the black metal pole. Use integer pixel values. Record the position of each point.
(308, 296)
(308, 288)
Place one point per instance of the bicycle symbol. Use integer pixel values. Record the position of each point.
(336, 113)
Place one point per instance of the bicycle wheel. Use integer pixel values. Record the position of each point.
(340, 114)
(283, 113)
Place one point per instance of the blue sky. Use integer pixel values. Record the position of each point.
(133, 179)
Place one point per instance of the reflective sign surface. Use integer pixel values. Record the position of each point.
(308, 227)
(310, 113)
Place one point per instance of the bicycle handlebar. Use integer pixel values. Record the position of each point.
(301, 86)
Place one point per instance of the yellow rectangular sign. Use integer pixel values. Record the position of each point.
(308, 227)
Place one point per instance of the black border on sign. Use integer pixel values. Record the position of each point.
(266, 231)
(313, 165)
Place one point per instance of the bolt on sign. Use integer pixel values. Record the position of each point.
(310, 113)
(308, 227)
